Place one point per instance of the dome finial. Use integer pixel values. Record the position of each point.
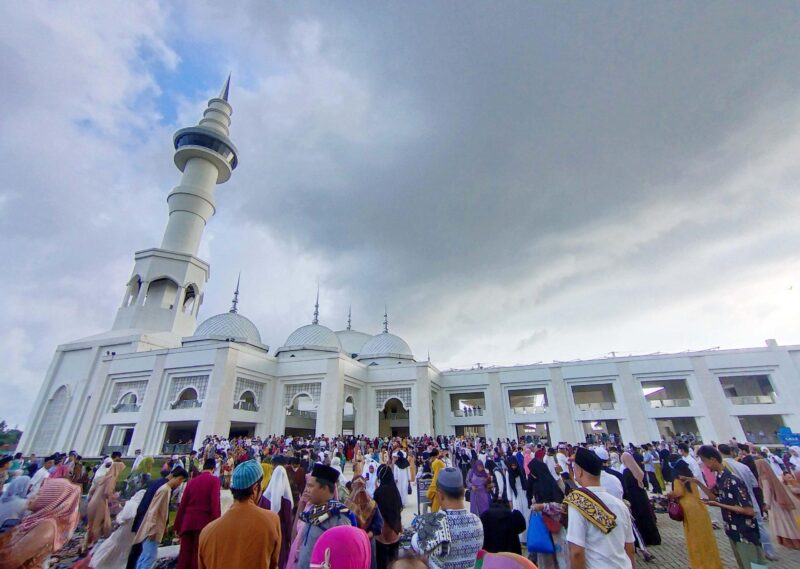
(349, 316)
(226, 89)
(316, 309)
(385, 320)
(236, 294)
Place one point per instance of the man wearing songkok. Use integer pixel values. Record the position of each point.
(599, 529)
(325, 512)
(609, 479)
(451, 537)
(246, 536)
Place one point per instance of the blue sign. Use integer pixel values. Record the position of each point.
(787, 437)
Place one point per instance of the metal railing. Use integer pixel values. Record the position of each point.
(245, 406)
(302, 414)
(602, 406)
(392, 416)
(173, 448)
(752, 399)
(108, 449)
(467, 413)
(187, 404)
(659, 403)
(126, 408)
(533, 410)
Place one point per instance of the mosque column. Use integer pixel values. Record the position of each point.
(419, 416)
(717, 415)
(563, 429)
(637, 427)
(329, 412)
(218, 404)
(496, 407)
(148, 413)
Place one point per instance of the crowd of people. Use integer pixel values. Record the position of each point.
(338, 502)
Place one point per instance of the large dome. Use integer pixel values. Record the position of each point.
(352, 341)
(312, 337)
(385, 345)
(229, 325)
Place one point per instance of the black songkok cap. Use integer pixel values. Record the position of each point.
(324, 472)
(589, 461)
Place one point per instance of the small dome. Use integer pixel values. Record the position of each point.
(229, 325)
(352, 341)
(312, 337)
(385, 345)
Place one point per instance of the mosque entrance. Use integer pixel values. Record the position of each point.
(349, 416)
(393, 419)
(301, 417)
(179, 437)
(242, 430)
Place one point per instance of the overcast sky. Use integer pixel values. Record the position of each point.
(518, 182)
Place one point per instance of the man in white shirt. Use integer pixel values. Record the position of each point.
(611, 483)
(562, 466)
(139, 458)
(550, 461)
(589, 546)
(40, 475)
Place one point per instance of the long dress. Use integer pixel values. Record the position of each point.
(478, 493)
(700, 540)
(783, 522)
(643, 515)
(113, 552)
(99, 517)
(519, 502)
(402, 480)
(287, 519)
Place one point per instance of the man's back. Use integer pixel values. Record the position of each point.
(466, 534)
(246, 536)
(200, 503)
(603, 551)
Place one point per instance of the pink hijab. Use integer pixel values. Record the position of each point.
(527, 457)
(630, 464)
(342, 547)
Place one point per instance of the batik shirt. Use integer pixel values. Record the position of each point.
(731, 491)
(466, 539)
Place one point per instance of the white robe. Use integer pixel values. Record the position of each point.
(113, 552)
(520, 504)
(402, 477)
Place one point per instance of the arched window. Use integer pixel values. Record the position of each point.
(162, 292)
(52, 419)
(128, 403)
(187, 399)
(190, 299)
(247, 401)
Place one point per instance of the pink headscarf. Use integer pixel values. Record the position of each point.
(630, 464)
(56, 503)
(342, 547)
(527, 457)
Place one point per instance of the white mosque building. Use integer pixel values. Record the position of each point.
(157, 381)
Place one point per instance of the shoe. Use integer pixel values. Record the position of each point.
(772, 557)
(649, 557)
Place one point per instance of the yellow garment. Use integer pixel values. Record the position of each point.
(700, 540)
(266, 468)
(436, 466)
(660, 477)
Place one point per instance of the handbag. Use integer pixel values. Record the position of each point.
(409, 488)
(539, 539)
(675, 511)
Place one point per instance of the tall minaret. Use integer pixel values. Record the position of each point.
(166, 288)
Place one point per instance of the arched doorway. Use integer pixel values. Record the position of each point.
(301, 416)
(349, 416)
(393, 419)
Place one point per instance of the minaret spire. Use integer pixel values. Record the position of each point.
(226, 88)
(349, 316)
(236, 294)
(385, 320)
(315, 321)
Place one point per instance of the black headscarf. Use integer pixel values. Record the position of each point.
(387, 496)
(514, 474)
(401, 461)
(542, 487)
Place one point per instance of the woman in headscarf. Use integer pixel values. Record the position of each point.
(401, 475)
(700, 541)
(478, 482)
(542, 488)
(516, 493)
(13, 502)
(54, 516)
(113, 552)
(794, 458)
(99, 524)
(278, 498)
(390, 505)
(782, 505)
(527, 457)
(266, 468)
(633, 491)
(371, 477)
(342, 547)
(367, 514)
(358, 462)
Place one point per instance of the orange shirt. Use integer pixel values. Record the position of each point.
(245, 536)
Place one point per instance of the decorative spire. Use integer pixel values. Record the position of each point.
(316, 309)
(385, 320)
(349, 316)
(225, 89)
(236, 294)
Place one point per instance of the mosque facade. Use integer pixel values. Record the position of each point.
(159, 382)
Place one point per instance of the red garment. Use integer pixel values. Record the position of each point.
(199, 507)
(539, 454)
